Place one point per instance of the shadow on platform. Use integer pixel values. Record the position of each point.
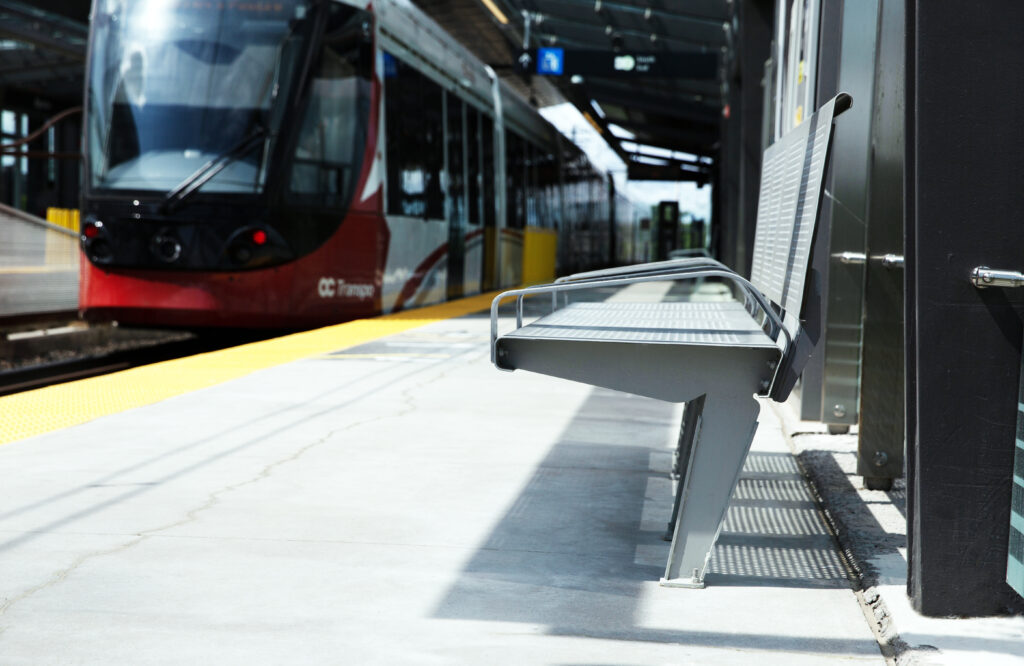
(582, 544)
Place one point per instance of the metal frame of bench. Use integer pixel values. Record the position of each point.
(725, 353)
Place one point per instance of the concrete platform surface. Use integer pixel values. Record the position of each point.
(402, 502)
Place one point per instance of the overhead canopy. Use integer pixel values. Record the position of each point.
(42, 51)
(675, 106)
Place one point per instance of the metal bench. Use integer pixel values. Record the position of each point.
(714, 356)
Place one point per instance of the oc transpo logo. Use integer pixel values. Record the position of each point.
(329, 287)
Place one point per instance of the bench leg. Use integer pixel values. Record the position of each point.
(723, 426)
(681, 457)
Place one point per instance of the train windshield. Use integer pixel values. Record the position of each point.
(175, 85)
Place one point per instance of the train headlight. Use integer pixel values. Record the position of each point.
(241, 254)
(166, 248)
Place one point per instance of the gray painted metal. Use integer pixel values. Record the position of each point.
(715, 370)
(787, 210)
(880, 441)
(843, 322)
(717, 355)
(38, 266)
(724, 431)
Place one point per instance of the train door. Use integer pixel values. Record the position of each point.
(455, 110)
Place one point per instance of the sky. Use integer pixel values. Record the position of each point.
(572, 124)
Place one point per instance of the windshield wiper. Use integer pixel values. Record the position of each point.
(205, 173)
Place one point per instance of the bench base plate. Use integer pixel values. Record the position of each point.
(688, 583)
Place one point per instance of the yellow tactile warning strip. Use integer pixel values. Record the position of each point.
(52, 408)
(52, 268)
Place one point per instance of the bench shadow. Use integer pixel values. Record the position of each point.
(582, 543)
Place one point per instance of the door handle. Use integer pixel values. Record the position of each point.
(983, 276)
(891, 261)
(855, 258)
(851, 257)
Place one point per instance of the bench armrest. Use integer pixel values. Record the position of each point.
(652, 268)
(772, 317)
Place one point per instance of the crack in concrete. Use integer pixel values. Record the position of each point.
(407, 399)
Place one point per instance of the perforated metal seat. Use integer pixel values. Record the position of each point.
(725, 324)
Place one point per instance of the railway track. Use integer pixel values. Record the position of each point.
(82, 360)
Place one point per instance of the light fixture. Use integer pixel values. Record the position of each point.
(498, 14)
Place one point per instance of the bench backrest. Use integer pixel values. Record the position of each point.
(792, 177)
(792, 188)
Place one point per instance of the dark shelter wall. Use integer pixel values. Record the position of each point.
(964, 208)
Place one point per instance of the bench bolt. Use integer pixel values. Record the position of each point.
(880, 458)
(839, 411)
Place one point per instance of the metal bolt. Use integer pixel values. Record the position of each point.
(839, 411)
(880, 458)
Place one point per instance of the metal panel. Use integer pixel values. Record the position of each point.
(880, 444)
(841, 384)
(791, 177)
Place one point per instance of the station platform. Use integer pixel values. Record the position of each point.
(377, 493)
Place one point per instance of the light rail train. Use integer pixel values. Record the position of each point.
(291, 163)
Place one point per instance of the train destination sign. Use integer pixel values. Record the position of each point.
(568, 62)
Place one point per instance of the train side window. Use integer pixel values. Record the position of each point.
(515, 167)
(432, 108)
(547, 178)
(332, 134)
(487, 152)
(456, 180)
(530, 175)
(406, 166)
(412, 116)
(474, 177)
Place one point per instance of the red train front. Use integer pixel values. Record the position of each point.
(228, 151)
(290, 163)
